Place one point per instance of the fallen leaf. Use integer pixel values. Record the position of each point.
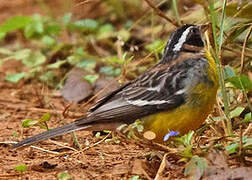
(103, 86)
(76, 88)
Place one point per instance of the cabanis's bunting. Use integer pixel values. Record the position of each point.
(176, 95)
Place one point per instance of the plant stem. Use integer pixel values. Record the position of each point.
(218, 62)
(175, 8)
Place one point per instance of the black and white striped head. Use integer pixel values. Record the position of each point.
(188, 38)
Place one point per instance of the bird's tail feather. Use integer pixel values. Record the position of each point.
(51, 133)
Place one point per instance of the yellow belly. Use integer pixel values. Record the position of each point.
(184, 118)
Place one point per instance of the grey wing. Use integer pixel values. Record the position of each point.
(154, 91)
(161, 90)
(150, 93)
(167, 89)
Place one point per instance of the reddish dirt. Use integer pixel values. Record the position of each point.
(118, 158)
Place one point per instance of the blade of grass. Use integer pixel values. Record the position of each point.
(75, 138)
(175, 9)
(217, 58)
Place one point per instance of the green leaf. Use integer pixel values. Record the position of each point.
(84, 25)
(196, 167)
(98, 135)
(135, 178)
(87, 64)
(128, 24)
(45, 117)
(228, 72)
(124, 34)
(91, 78)
(117, 72)
(15, 134)
(36, 27)
(241, 82)
(35, 59)
(52, 29)
(48, 78)
(186, 139)
(248, 143)
(64, 176)
(105, 32)
(114, 59)
(2, 35)
(14, 78)
(110, 71)
(21, 54)
(48, 40)
(231, 148)
(57, 64)
(247, 118)
(28, 123)
(14, 23)
(106, 28)
(66, 18)
(21, 168)
(236, 112)
(5, 51)
(140, 128)
(187, 152)
(155, 46)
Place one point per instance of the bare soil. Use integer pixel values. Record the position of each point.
(107, 157)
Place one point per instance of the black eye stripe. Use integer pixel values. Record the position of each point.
(188, 34)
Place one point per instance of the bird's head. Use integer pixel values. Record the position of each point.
(188, 38)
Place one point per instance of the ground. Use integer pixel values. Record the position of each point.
(112, 156)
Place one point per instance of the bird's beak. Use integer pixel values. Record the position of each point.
(203, 28)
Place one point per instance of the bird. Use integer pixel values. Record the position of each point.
(177, 94)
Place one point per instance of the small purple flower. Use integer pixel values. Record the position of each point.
(171, 133)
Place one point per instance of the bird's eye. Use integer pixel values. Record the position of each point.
(194, 30)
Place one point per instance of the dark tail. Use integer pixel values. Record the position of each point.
(51, 133)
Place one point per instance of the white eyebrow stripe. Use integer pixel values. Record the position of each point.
(182, 39)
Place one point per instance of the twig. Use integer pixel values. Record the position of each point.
(161, 168)
(95, 144)
(34, 147)
(248, 130)
(240, 143)
(153, 145)
(161, 14)
(45, 150)
(146, 14)
(219, 102)
(86, 148)
(82, 3)
(64, 113)
(243, 48)
(237, 51)
(62, 145)
(7, 176)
